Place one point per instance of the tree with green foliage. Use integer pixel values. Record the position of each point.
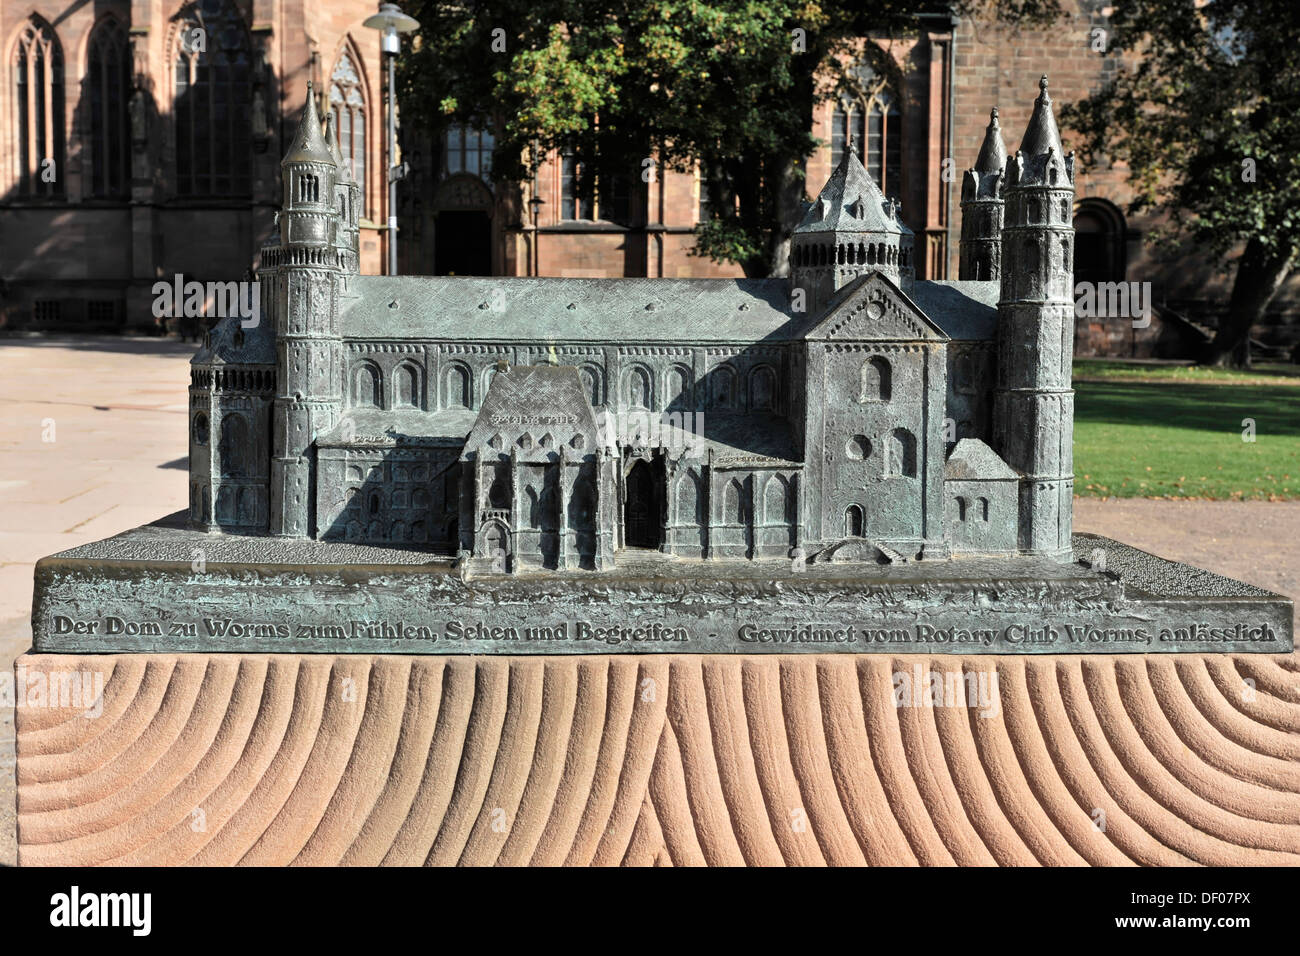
(1205, 111)
(730, 84)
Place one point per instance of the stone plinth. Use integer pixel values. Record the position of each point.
(165, 588)
(686, 759)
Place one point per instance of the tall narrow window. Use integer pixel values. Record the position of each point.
(213, 90)
(717, 191)
(574, 204)
(108, 81)
(38, 111)
(872, 118)
(848, 121)
(467, 150)
(349, 106)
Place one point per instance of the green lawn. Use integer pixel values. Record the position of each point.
(1171, 431)
(1268, 373)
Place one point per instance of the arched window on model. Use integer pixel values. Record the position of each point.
(722, 387)
(762, 389)
(591, 384)
(733, 503)
(639, 393)
(348, 101)
(877, 383)
(108, 89)
(367, 392)
(869, 113)
(902, 453)
(212, 74)
(38, 111)
(680, 383)
(406, 385)
(853, 522)
(689, 499)
(776, 501)
(458, 394)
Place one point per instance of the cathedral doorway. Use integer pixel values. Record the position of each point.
(1100, 253)
(641, 509)
(463, 244)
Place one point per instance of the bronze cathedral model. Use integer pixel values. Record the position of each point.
(848, 411)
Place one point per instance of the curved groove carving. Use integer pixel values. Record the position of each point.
(662, 760)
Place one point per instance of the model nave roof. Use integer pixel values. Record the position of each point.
(598, 311)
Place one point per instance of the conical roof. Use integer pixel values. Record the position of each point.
(849, 202)
(993, 152)
(1041, 134)
(309, 144)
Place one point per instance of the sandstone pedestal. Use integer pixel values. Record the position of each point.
(655, 759)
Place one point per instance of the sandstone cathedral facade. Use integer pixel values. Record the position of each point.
(848, 412)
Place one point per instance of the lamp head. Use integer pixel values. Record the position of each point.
(390, 21)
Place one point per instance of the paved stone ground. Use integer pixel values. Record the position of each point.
(115, 409)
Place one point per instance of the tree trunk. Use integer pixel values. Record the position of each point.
(1259, 276)
(788, 199)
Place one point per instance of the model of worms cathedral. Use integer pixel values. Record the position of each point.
(849, 412)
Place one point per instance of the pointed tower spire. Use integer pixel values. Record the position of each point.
(993, 152)
(980, 248)
(1041, 134)
(1033, 404)
(309, 267)
(309, 144)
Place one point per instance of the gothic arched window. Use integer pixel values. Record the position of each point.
(213, 94)
(870, 115)
(38, 111)
(348, 102)
(108, 87)
(777, 501)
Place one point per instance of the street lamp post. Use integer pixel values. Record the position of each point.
(536, 203)
(390, 21)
